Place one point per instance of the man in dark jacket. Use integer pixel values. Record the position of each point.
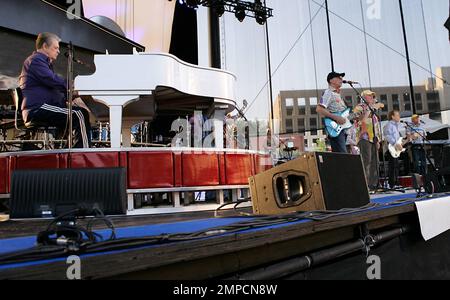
(44, 92)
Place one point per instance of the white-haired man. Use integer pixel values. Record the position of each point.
(44, 92)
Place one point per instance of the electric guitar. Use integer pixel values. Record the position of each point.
(396, 153)
(333, 128)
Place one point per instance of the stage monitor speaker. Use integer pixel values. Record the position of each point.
(315, 181)
(438, 182)
(50, 193)
(445, 157)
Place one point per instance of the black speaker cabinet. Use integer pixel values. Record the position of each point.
(50, 193)
(438, 182)
(315, 181)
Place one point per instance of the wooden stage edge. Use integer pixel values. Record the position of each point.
(230, 254)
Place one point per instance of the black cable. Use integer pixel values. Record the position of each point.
(64, 229)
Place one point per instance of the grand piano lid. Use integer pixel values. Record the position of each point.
(142, 73)
(34, 16)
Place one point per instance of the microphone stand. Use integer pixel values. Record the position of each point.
(374, 113)
(70, 92)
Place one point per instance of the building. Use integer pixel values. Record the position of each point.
(295, 111)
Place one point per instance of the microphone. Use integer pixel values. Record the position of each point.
(350, 82)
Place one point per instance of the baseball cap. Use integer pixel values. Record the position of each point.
(369, 93)
(333, 75)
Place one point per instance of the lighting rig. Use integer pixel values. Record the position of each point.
(241, 9)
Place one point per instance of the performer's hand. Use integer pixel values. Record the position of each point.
(340, 120)
(378, 146)
(398, 147)
(76, 94)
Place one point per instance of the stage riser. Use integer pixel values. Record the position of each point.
(147, 169)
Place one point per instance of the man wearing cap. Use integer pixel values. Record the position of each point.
(368, 136)
(331, 103)
(417, 133)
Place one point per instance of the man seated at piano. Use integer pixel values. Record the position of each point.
(45, 92)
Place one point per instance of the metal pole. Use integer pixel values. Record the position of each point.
(70, 95)
(411, 86)
(270, 74)
(329, 35)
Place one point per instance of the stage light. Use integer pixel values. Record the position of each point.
(260, 14)
(219, 8)
(447, 25)
(241, 8)
(192, 3)
(260, 19)
(240, 13)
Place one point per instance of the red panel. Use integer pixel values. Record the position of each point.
(94, 160)
(238, 168)
(262, 163)
(222, 168)
(253, 165)
(150, 170)
(12, 167)
(178, 169)
(63, 161)
(200, 169)
(4, 175)
(31, 162)
(123, 157)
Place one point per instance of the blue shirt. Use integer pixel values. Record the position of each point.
(40, 84)
(392, 132)
(419, 130)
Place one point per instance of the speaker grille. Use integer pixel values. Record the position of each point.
(343, 181)
(48, 193)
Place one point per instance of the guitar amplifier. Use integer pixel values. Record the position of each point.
(315, 181)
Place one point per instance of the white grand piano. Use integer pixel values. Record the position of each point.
(135, 86)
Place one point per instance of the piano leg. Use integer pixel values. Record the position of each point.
(116, 104)
(115, 120)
